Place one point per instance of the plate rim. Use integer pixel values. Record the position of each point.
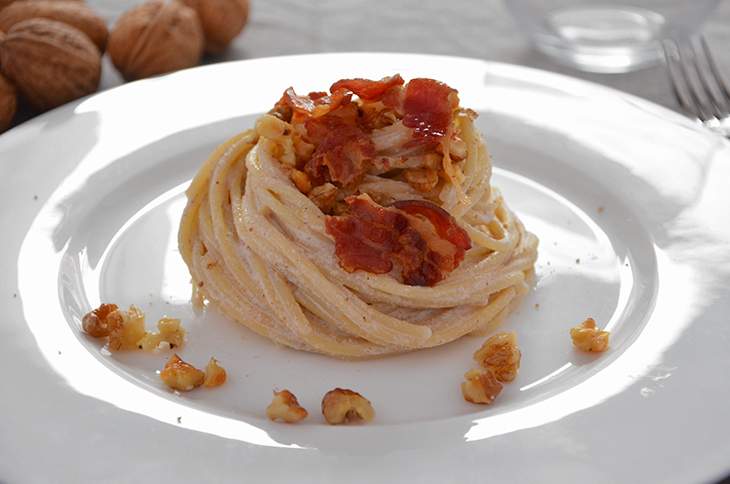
(530, 73)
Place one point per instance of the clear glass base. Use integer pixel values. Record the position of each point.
(603, 60)
(603, 39)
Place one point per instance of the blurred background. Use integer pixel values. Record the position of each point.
(471, 28)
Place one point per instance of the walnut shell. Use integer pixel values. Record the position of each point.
(75, 14)
(154, 38)
(50, 62)
(222, 21)
(5, 3)
(8, 103)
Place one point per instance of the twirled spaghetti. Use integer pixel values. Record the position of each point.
(273, 237)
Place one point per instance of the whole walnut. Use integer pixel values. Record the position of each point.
(8, 102)
(154, 38)
(50, 62)
(222, 21)
(75, 14)
(5, 3)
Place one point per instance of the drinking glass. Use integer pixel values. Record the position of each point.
(607, 35)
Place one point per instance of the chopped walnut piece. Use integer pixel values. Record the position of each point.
(170, 331)
(481, 386)
(457, 149)
(215, 375)
(422, 179)
(586, 337)
(272, 127)
(500, 354)
(284, 406)
(180, 375)
(324, 197)
(127, 334)
(344, 406)
(301, 181)
(97, 323)
(288, 157)
(302, 149)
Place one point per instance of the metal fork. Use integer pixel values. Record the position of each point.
(697, 83)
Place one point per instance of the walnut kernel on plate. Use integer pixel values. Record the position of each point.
(101, 321)
(345, 406)
(481, 386)
(500, 354)
(182, 376)
(127, 335)
(285, 406)
(215, 375)
(586, 337)
(126, 329)
(169, 330)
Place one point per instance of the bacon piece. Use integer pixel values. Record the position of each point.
(325, 103)
(394, 99)
(375, 238)
(442, 221)
(343, 148)
(365, 238)
(315, 104)
(428, 107)
(366, 89)
(303, 104)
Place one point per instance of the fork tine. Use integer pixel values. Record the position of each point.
(671, 56)
(722, 85)
(709, 80)
(696, 93)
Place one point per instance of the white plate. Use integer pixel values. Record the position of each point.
(632, 208)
